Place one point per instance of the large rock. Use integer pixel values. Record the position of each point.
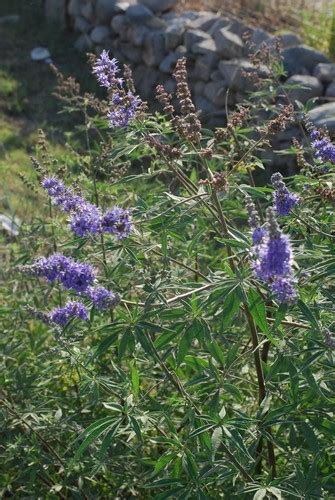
(137, 34)
(204, 66)
(296, 59)
(330, 91)
(289, 39)
(228, 44)
(82, 24)
(130, 53)
(195, 36)
(119, 24)
(83, 43)
(205, 21)
(238, 74)
(99, 33)
(206, 47)
(307, 87)
(174, 33)
(146, 80)
(154, 48)
(139, 13)
(216, 93)
(55, 11)
(159, 5)
(104, 10)
(324, 116)
(74, 8)
(169, 62)
(325, 72)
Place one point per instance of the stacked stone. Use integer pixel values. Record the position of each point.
(150, 36)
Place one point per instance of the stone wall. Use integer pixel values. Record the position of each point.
(150, 36)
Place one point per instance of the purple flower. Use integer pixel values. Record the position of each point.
(283, 199)
(117, 221)
(72, 309)
(102, 298)
(274, 261)
(86, 221)
(253, 219)
(105, 70)
(323, 149)
(123, 109)
(54, 186)
(71, 274)
(284, 290)
(258, 234)
(63, 196)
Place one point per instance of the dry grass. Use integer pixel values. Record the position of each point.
(272, 15)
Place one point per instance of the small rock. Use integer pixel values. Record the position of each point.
(302, 56)
(289, 39)
(40, 54)
(330, 91)
(10, 19)
(81, 24)
(138, 13)
(99, 33)
(216, 93)
(83, 43)
(10, 224)
(159, 5)
(309, 87)
(188, 15)
(154, 48)
(324, 116)
(240, 28)
(195, 36)
(228, 44)
(324, 72)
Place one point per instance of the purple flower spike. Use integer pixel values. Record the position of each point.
(324, 150)
(283, 199)
(72, 309)
(284, 291)
(71, 274)
(105, 70)
(86, 221)
(123, 109)
(117, 221)
(102, 298)
(254, 223)
(274, 261)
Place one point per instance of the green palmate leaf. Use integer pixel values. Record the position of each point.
(191, 332)
(258, 312)
(135, 380)
(230, 307)
(92, 433)
(307, 313)
(108, 439)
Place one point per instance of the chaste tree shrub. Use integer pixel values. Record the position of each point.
(168, 327)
